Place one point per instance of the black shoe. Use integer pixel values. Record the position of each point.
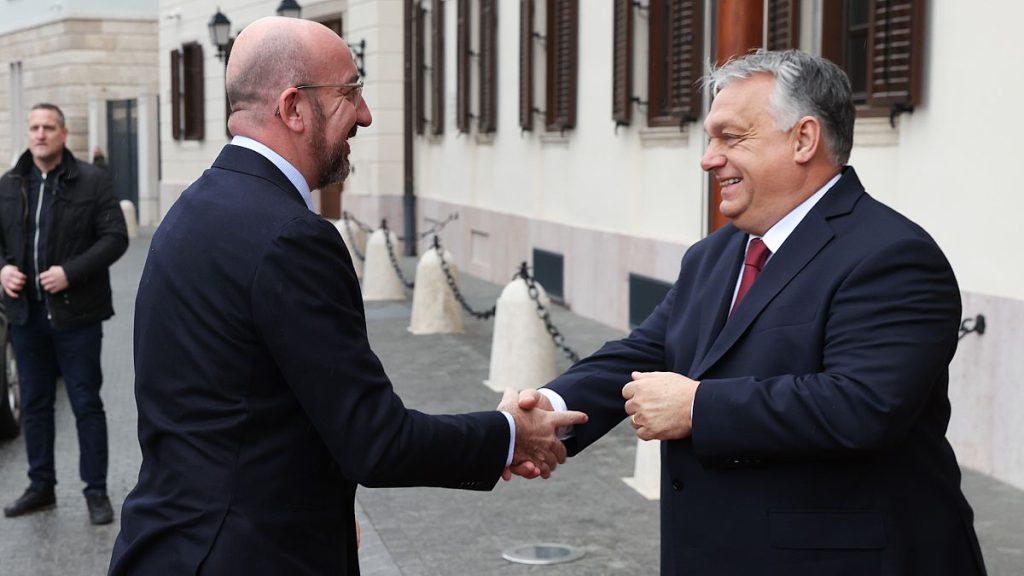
(33, 500)
(100, 511)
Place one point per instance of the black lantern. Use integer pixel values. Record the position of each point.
(289, 9)
(220, 32)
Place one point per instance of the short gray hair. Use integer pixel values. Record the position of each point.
(51, 108)
(805, 85)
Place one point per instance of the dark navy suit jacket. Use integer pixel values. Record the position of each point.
(819, 425)
(261, 405)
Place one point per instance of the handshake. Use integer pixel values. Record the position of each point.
(538, 449)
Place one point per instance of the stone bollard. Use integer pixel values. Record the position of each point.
(522, 353)
(380, 281)
(355, 240)
(128, 209)
(647, 471)
(434, 308)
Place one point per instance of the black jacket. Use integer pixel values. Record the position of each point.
(86, 233)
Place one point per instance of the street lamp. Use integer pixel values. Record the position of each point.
(220, 32)
(289, 9)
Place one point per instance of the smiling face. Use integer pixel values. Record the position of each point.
(750, 157)
(46, 137)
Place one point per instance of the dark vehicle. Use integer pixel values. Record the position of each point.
(10, 393)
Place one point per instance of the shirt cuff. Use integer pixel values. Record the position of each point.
(558, 403)
(511, 438)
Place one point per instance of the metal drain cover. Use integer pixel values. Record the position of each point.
(543, 554)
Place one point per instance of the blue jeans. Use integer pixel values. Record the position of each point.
(41, 351)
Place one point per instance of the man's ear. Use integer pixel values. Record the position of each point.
(290, 110)
(806, 139)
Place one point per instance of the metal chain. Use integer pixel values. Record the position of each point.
(486, 314)
(352, 238)
(437, 227)
(391, 254)
(556, 336)
(347, 216)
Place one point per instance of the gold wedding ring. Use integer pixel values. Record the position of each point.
(633, 420)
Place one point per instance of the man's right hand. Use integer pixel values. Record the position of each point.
(12, 279)
(538, 449)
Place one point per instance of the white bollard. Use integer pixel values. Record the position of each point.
(380, 281)
(128, 209)
(355, 240)
(522, 353)
(434, 308)
(647, 471)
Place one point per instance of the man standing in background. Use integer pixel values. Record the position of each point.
(61, 228)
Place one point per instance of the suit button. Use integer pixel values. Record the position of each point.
(677, 485)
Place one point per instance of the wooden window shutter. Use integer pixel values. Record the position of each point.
(195, 102)
(675, 63)
(622, 63)
(437, 68)
(562, 43)
(418, 67)
(176, 94)
(783, 24)
(526, 64)
(462, 50)
(488, 66)
(895, 53)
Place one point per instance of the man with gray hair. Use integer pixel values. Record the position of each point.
(261, 404)
(797, 372)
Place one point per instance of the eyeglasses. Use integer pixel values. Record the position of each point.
(354, 90)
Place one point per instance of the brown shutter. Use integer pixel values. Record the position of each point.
(176, 94)
(895, 53)
(526, 64)
(675, 47)
(437, 68)
(462, 51)
(563, 30)
(622, 63)
(783, 24)
(488, 66)
(418, 66)
(195, 102)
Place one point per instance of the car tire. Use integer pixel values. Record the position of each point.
(10, 393)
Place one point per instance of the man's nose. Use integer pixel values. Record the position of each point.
(363, 115)
(712, 160)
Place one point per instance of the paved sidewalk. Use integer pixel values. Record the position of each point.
(418, 531)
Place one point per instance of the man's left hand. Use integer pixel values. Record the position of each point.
(54, 280)
(659, 405)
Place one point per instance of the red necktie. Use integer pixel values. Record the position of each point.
(757, 255)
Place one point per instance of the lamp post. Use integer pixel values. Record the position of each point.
(289, 9)
(220, 32)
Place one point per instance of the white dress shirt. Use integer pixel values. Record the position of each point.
(290, 172)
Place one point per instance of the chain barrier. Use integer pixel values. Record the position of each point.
(438, 226)
(486, 314)
(352, 238)
(346, 215)
(391, 255)
(544, 315)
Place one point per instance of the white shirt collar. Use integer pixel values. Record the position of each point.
(286, 168)
(778, 233)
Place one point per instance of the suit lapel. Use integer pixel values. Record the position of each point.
(244, 160)
(802, 246)
(715, 295)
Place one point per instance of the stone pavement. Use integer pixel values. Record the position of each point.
(419, 531)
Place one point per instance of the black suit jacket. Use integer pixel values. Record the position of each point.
(261, 405)
(819, 425)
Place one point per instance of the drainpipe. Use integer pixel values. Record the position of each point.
(409, 195)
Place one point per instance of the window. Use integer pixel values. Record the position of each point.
(488, 66)
(463, 53)
(676, 48)
(187, 100)
(673, 67)
(419, 67)
(526, 38)
(879, 43)
(437, 70)
(783, 24)
(562, 47)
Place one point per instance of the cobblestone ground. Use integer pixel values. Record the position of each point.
(417, 531)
